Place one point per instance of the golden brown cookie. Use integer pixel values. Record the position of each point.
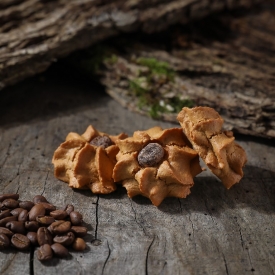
(87, 160)
(157, 164)
(224, 157)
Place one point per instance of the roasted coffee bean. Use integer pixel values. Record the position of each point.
(5, 213)
(10, 203)
(45, 220)
(44, 252)
(32, 225)
(32, 236)
(23, 216)
(65, 239)
(79, 231)
(79, 244)
(69, 208)
(37, 210)
(103, 141)
(44, 236)
(60, 227)
(28, 205)
(16, 227)
(4, 241)
(15, 212)
(150, 155)
(60, 250)
(76, 218)
(20, 241)
(9, 196)
(39, 198)
(6, 231)
(4, 221)
(48, 206)
(59, 214)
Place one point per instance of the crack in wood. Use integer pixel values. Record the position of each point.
(147, 256)
(96, 216)
(135, 217)
(31, 260)
(108, 256)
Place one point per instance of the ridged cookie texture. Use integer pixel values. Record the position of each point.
(218, 149)
(86, 161)
(156, 163)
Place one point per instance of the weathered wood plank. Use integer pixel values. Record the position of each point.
(212, 231)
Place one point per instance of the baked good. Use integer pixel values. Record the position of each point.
(218, 149)
(87, 160)
(156, 163)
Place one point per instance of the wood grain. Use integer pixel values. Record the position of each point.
(212, 231)
(35, 33)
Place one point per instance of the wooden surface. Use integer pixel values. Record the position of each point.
(34, 33)
(212, 231)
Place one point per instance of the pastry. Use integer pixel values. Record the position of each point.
(87, 160)
(156, 163)
(218, 149)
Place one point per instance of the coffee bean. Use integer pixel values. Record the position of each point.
(39, 198)
(31, 225)
(69, 208)
(59, 250)
(37, 210)
(48, 206)
(5, 213)
(20, 241)
(76, 218)
(10, 203)
(79, 231)
(6, 231)
(44, 252)
(79, 244)
(23, 216)
(4, 241)
(15, 212)
(150, 155)
(44, 236)
(59, 214)
(60, 227)
(4, 221)
(9, 196)
(28, 205)
(16, 227)
(45, 220)
(65, 239)
(103, 141)
(32, 236)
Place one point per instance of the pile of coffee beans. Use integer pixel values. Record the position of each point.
(25, 224)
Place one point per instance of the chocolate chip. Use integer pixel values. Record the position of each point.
(150, 155)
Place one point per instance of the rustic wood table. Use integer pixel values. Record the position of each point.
(212, 231)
